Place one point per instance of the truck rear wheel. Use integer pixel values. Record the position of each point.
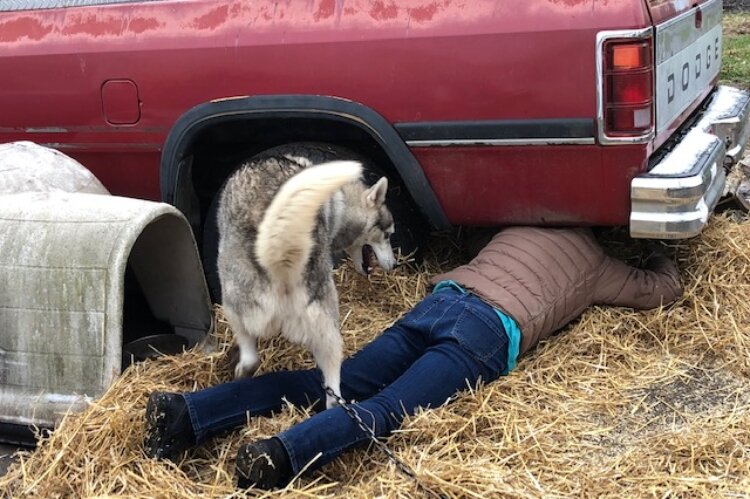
(411, 228)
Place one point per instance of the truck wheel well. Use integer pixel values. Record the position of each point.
(209, 140)
(219, 149)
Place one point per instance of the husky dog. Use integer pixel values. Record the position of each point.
(280, 221)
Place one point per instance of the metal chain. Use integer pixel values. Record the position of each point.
(400, 465)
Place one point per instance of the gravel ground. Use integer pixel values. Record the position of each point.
(737, 5)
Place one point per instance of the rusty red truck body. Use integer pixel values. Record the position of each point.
(490, 112)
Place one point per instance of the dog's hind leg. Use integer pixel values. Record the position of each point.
(328, 355)
(249, 359)
(323, 338)
(247, 340)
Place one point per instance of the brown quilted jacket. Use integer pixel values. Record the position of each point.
(544, 278)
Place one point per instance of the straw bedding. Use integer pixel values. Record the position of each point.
(621, 404)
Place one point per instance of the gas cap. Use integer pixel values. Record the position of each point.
(120, 102)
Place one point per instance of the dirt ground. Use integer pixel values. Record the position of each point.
(6, 457)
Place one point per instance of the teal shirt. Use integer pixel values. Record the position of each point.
(510, 326)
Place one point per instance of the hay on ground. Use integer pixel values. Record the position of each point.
(622, 404)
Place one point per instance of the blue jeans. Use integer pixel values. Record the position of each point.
(447, 343)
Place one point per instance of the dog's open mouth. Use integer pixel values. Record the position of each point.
(369, 260)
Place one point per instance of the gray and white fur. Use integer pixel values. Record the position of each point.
(280, 222)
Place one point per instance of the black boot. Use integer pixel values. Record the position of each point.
(169, 431)
(263, 464)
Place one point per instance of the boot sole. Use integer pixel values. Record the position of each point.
(156, 421)
(255, 469)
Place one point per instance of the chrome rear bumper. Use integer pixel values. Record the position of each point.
(675, 198)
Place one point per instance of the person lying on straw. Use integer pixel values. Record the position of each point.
(524, 285)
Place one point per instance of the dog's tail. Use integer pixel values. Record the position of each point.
(285, 240)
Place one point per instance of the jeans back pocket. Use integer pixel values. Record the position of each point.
(481, 334)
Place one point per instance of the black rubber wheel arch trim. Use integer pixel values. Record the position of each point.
(193, 121)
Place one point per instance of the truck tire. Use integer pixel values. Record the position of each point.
(410, 232)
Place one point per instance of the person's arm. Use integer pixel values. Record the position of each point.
(626, 286)
(476, 239)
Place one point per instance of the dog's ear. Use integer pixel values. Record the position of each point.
(374, 197)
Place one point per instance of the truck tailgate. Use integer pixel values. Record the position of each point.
(688, 43)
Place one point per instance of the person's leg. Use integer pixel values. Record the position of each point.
(467, 343)
(228, 405)
(175, 422)
(225, 406)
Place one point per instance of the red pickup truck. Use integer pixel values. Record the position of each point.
(485, 112)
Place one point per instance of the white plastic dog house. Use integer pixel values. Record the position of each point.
(63, 264)
(29, 167)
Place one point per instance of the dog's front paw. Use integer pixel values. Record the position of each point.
(245, 369)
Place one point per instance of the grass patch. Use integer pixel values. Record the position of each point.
(735, 68)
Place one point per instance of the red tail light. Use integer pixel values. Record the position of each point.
(628, 93)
